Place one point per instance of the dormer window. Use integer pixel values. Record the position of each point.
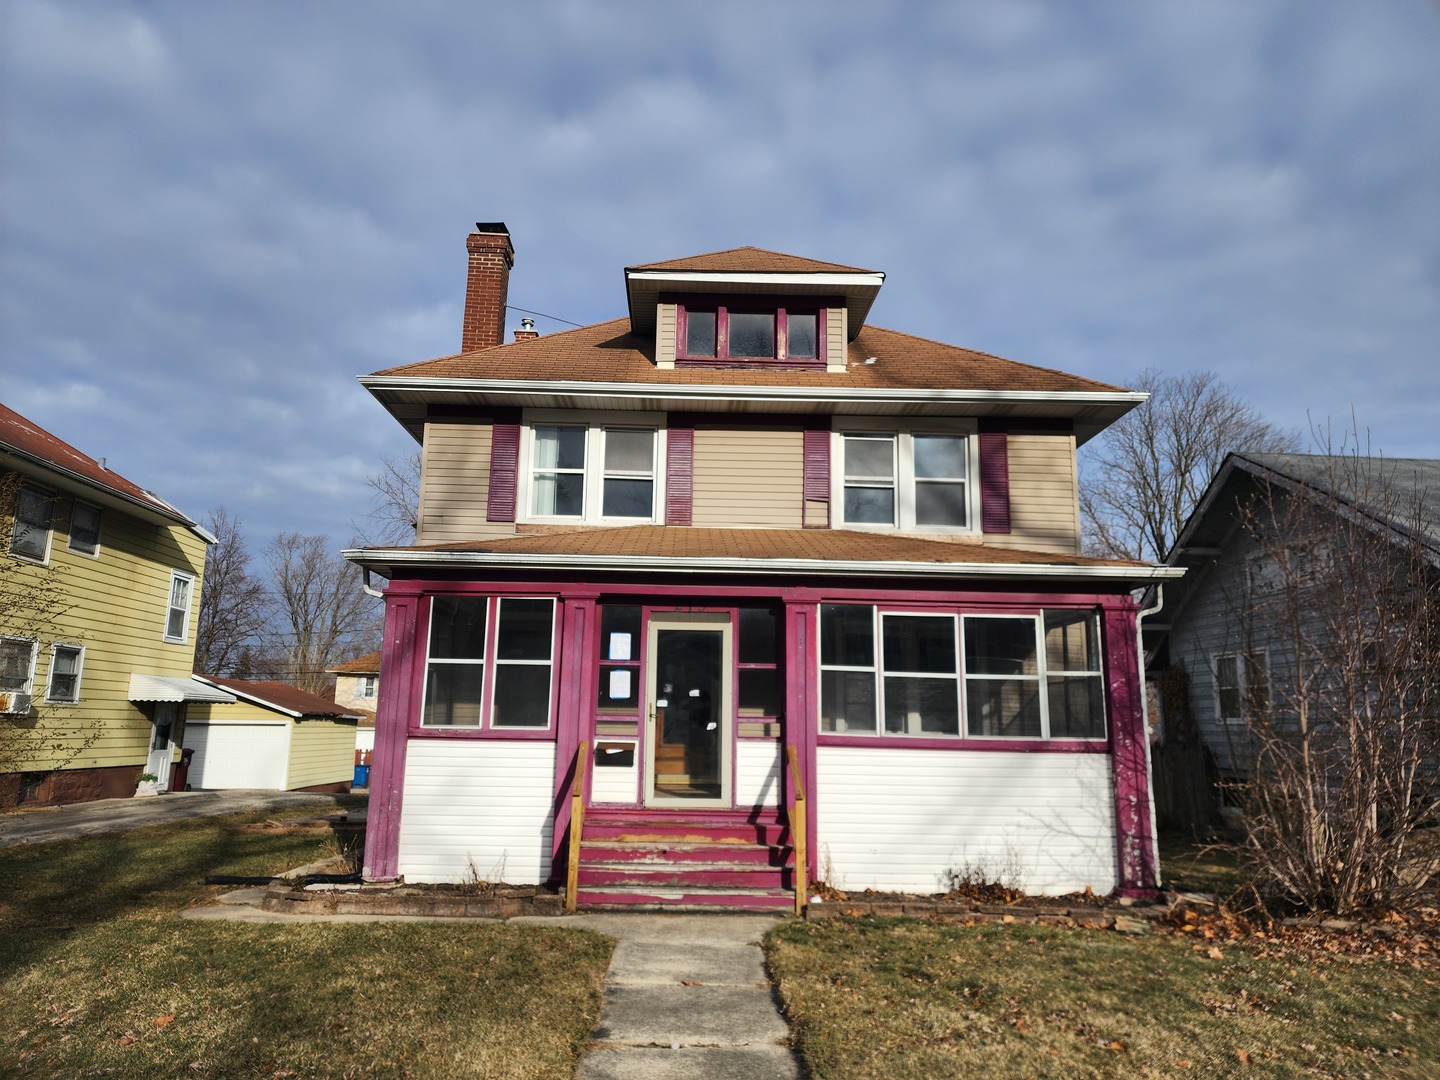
(711, 331)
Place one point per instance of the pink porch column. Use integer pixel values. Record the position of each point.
(392, 720)
(1129, 762)
(577, 664)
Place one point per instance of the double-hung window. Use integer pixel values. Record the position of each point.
(906, 480)
(30, 535)
(85, 529)
(66, 662)
(17, 669)
(1242, 683)
(750, 332)
(936, 675)
(593, 472)
(368, 684)
(177, 617)
(490, 663)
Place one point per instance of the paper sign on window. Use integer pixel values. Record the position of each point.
(620, 685)
(619, 647)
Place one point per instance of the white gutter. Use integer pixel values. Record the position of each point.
(727, 392)
(672, 564)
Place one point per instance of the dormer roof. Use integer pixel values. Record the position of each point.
(750, 271)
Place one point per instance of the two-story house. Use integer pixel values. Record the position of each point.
(357, 689)
(737, 573)
(100, 585)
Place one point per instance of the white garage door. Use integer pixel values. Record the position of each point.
(238, 755)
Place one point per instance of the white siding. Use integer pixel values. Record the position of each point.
(477, 809)
(364, 738)
(610, 784)
(239, 755)
(901, 820)
(757, 772)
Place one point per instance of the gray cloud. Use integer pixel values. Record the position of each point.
(215, 217)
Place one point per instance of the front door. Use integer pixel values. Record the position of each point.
(162, 743)
(687, 719)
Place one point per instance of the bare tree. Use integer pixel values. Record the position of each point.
(1144, 475)
(1339, 613)
(234, 604)
(394, 513)
(322, 615)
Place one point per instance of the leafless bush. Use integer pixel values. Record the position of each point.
(1339, 612)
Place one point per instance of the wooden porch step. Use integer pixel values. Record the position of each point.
(668, 852)
(707, 875)
(690, 898)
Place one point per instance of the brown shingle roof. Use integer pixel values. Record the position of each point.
(608, 352)
(369, 664)
(283, 696)
(751, 260)
(27, 439)
(662, 541)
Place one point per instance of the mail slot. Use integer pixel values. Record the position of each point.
(615, 755)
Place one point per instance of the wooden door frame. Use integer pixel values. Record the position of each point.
(721, 622)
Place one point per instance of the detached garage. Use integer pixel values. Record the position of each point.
(273, 737)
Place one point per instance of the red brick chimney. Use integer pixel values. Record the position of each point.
(488, 285)
(527, 331)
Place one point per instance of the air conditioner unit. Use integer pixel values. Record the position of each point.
(14, 704)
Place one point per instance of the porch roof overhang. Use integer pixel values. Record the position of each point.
(174, 688)
(792, 552)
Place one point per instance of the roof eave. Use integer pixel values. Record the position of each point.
(643, 289)
(385, 561)
(153, 509)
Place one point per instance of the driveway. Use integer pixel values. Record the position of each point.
(27, 826)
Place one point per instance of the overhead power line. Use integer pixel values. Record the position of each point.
(553, 318)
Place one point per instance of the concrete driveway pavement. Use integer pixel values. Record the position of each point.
(36, 826)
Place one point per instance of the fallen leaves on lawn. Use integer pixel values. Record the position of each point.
(164, 1021)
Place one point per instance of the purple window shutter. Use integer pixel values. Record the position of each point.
(817, 464)
(679, 474)
(504, 472)
(994, 482)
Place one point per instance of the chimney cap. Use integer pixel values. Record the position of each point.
(491, 227)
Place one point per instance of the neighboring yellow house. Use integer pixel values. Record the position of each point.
(273, 737)
(93, 693)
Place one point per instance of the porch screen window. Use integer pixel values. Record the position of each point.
(759, 661)
(1033, 676)
(455, 677)
(619, 690)
(513, 666)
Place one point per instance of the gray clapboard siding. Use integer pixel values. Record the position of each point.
(1044, 495)
(748, 476)
(455, 485)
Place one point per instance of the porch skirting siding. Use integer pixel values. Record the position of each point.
(902, 819)
(477, 810)
(757, 772)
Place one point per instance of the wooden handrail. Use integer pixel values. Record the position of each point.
(797, 832)
(577, 825)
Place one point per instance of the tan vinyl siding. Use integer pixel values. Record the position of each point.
(321, 752)
(455, 485)
(748, 476)
(665, 330)
(836, 339)
(1044, 495)
(118, 608)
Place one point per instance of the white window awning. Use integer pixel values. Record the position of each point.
(174, 688)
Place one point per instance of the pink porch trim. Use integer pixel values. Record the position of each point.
(1011, 746)
(387, 778)
(1138, 875)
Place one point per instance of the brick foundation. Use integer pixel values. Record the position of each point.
(68, 786)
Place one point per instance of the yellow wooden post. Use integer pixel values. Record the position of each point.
(577, 825)
(797, 833)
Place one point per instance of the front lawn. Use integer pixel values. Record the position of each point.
(888, 998)
(100, 977)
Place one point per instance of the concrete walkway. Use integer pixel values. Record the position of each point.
(117, 815)
(686, 998)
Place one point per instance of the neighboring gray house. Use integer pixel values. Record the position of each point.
(1218, 624)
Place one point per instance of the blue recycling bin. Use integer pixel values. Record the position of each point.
(362, 776)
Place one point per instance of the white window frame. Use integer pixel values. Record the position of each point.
(954, 678)
(369, 686)
(92, 553)
(1243, 663)
(595, 425)
(48, 498)
(1041, 678)
(170, 608)
(33, 645)
(489, 663)
(79, 651)
(903, 432)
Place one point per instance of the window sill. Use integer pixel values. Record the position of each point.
(1014, 746)
(417, 731)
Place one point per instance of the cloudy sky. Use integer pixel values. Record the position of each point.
(213, 217)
